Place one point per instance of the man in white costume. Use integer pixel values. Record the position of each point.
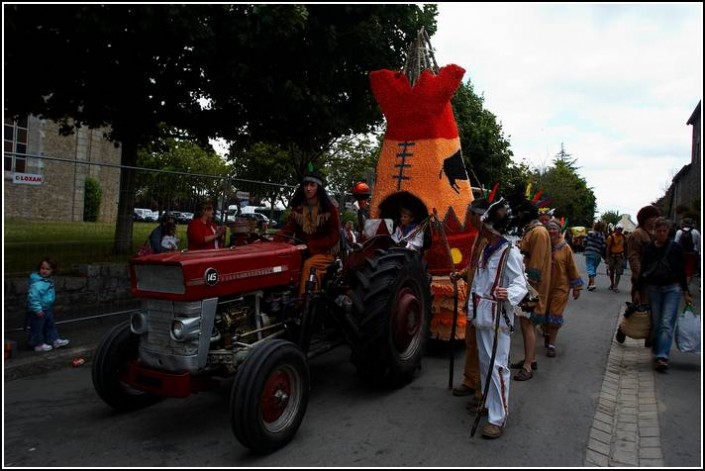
(498, 287)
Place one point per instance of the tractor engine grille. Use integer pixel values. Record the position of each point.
(166, 347)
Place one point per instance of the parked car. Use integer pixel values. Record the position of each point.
(174, 214)
(260, 218)
(144, 214)
(185, 217)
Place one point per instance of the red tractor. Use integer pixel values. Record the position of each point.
(215, 313)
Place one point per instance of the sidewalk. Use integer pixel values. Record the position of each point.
(634, 415)
(84, 336)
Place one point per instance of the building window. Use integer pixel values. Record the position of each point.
(16, 138)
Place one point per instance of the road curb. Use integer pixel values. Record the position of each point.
(50, 361)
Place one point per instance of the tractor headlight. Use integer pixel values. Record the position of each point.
(185, 329)
(138, 323)
(177, 330)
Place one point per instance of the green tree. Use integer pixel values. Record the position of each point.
(301, 72)
(264, 162)
(92, 194)
(610, 217)
(128, 67)
(294, 75)
(350, 159)
(208, 175)
(486, 151)
(572, 198)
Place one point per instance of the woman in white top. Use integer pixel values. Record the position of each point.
(169, 239)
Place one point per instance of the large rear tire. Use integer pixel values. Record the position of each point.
(270, 396)
(116, 349)
(392, 303)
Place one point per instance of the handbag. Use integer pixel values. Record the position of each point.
(637, 320)
(688, 331)
(145, 249)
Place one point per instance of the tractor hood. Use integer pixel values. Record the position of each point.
(200, 274)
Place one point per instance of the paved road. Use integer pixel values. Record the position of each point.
(598, 403)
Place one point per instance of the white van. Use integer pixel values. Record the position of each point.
(144, 214)
(255, 212)
(232, 212)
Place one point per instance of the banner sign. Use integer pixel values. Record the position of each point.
(27, 178)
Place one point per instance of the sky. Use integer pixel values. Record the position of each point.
(614, 84)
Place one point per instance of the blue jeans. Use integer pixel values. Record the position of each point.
(592, 261)
(42, 329)
(664, 312)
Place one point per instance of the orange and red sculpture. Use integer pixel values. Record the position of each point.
(421, 159)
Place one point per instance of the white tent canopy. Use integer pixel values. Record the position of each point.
(627, 223)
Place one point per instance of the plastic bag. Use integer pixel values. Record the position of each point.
(688, 331)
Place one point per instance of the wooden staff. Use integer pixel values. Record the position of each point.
(455, 300)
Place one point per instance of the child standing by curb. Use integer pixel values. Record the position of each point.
(43, 335)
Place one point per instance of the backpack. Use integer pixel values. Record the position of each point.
(686, 240)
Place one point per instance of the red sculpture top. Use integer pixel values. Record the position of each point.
(422, 111)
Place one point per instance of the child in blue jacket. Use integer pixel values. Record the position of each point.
(43, 335)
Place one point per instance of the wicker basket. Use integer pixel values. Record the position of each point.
(637, 325)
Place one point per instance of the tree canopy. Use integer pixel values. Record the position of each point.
(486, 151)
(292, 75)
(571, 197)
(171, 191)
(610, 217)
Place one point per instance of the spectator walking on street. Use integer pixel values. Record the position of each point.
(594, 252)
(565, 278)
(663, 275)
(638, 242)
(43, 334)
(615, 247)
(689, 239)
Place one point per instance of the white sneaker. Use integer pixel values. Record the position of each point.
(60, 343)
(43, 348)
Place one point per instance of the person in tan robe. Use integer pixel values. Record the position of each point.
(564, 278)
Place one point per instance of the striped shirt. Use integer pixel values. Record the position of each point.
(595, 243)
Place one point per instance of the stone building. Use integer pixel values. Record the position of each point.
(685, 189)
(45, 173)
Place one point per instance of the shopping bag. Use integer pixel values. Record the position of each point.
(636, 323)
(688, 331)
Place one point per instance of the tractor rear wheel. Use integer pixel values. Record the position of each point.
(392, 305)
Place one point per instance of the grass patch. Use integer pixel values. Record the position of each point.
(70, 243)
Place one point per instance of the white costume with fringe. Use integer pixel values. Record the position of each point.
(483, 317)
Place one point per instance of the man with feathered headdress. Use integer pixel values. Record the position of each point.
(314, 221)
(498, 287)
